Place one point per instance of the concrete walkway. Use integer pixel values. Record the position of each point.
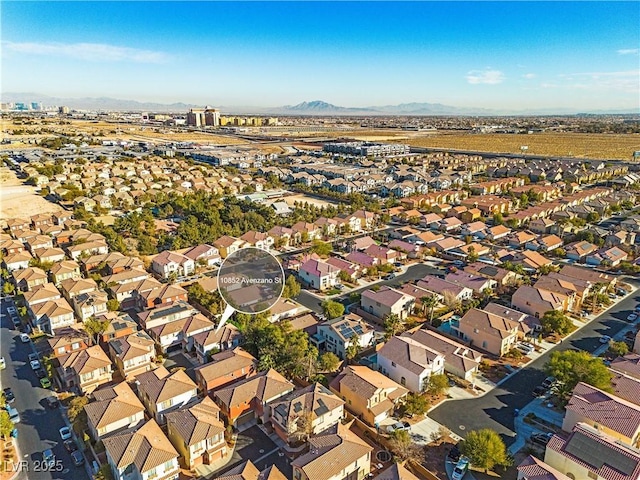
(524, 430)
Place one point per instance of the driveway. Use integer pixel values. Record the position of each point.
(38, 427)
(495, 410)
(253, 444)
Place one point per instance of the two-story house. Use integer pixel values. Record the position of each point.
(490, 332)
(113, 408)
(225, 368)
(197, 433)
(338, 334)
(133, 354)
(84, 370)
(162, 392)
(306, 412)
(319, 274)
(387, 301)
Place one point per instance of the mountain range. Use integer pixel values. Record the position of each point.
(315, 107)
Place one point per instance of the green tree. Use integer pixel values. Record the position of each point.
(8, 288)
(485, 449)
(498, 219)
(77, 415)
(95, 328)
(429, 302)
(332, 309)
(6, 425)
(344, 276)
(618, 348)
(555, 321)
(353, 349)
(291, 287)
(328, 362)
(472, 255)
(321, 248)
(392, 325)
(113, 305)
(570, 367)
(415, 404)
(437, 384)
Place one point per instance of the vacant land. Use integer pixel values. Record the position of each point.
(21, 201)
(582, 145)
(302, 198)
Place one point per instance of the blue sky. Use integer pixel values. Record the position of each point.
(507, 55)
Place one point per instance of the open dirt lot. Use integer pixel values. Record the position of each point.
(18, 200)
(582, 145)
(305, 198)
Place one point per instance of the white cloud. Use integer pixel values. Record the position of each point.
(93, 52)
(529, 76)
(486, 77)
(629, 51)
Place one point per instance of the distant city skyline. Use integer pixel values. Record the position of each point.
(494, 55)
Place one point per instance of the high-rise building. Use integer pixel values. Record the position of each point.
(63, 110)
(196, 117)
(212, 117)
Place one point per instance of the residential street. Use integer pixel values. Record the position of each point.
(495, 409)
(38, 427)
(413, 273)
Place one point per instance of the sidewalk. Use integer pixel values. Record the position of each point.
(524, 430)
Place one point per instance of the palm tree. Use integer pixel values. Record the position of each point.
(429, 302)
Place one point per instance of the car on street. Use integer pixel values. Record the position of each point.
(398, 426)
(35, 364)
(65, 433)
(24, 338)
(33, 356)
(40, 373)
(45, 382)
(70, 446)
(16, 321)
(13, 414)
(391, 276)
(3, 363)
(460, 469)
(77, 457)
(604, 339)
(8, 395)
(48, 458)
(12, 311)
(52, 402)
(632, 317)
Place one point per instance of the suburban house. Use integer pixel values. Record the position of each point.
(65, 270)
(248, 471)
(319, 274)
(52, 315)
(205, 255)
(67, 340)
(114, 408)
(260, 240)
(608, 413)
(218, 339)
(170, 264)
(476, 283)
(368, 394)
(607, 256)
(165, 295)
(537, 301)
(227, 245)
(532, 468)
(225, 368)
(409, 362)
(443, 288)
(459, 359)
(490, 332)
(133, 354)
(197, 433)
(588, 453)
(341, 455)
(629, 365)
(247, 401)
(305, 412)
(387, 301)
(142, 454)
(162, 392)
(578, 251)
(28, 278)
(91, 304)
(338, 334)
(84, 370)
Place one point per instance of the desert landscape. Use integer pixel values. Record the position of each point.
(19, 200)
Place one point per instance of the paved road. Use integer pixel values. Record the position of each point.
(495, 409)
(38, 427)
(414, 272)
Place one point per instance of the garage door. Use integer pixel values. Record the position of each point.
(245, 421)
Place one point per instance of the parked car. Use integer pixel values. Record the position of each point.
(24, 338)
(52, 402)
(398, 426)
(40, 373)
(16, 321)
(70, 446)
(548, 382)
(12, 311)
(78, 458)
(8, 395)
(45, 382)
(391, 276)
(13, 414)
(3, 363)
(604, 339)
(525, 348)
(48, 458)
(33, 356)
(65, 433)
(35, 364)
(454, 453)
(632, 317)
(460, 469)
(540, 439)
(539, 391)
